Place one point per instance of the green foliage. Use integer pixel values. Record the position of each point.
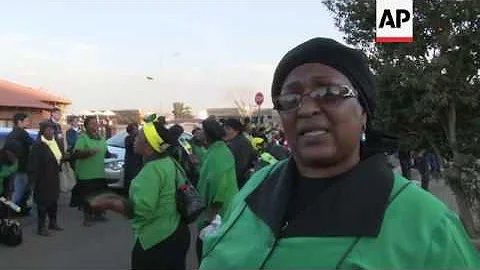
(181, 111)
(464, 175)
(420, 82)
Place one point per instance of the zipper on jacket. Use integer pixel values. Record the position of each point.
(274, 244)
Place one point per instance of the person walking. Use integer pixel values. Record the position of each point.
(334, 203)
(422, 165)
(21, 188)
(44, 176)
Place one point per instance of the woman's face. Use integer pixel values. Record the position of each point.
(321, 132)
(140, 144)
(92, 126)
(48, 133)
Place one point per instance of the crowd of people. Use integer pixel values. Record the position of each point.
(34, 165)
(313, 194)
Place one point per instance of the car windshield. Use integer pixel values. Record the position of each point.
(118, 140)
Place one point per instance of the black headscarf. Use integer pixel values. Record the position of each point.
(43, 127)
(213, 129)
(350, 62)
(235, 124)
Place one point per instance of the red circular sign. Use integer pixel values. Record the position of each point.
(259, 98)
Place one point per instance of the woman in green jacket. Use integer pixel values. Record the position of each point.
(8, 166)
(217, 182)
(162, 238)
(333, 204)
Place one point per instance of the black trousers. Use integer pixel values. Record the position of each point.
(199, 248)
(47, 210)
(425, 181)
(168, 254)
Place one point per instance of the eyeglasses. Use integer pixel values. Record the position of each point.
(328, 95)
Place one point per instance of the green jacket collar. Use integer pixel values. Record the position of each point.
(154, 157)
(358, 201)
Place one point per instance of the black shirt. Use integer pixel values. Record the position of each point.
(244, 155)
(22, 137)
(305, 191)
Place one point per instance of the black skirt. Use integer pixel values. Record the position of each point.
(86, 188)
(168, 254)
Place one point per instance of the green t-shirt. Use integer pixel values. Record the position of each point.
(5, 171)
(94, 166)
(199, 152)
(218, 182)
(152, 193)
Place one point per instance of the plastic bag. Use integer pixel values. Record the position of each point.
(67, 178)
(211, 228)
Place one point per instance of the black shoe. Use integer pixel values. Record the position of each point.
(55, 227)
(43, 232)
(100, 218)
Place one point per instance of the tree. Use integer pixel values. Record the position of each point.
(244, 109)
(181, 111)
(428, 88)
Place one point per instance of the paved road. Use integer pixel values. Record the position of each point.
(105, 246)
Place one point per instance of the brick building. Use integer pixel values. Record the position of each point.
(37, 103)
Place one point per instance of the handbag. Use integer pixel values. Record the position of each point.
(67, 178)
(190, 204)
(10, 232)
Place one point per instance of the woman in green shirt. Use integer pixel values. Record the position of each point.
(162, 238)
(89, 152)
(217, 182)
(333, 204)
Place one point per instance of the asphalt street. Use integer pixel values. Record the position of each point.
(107, 245)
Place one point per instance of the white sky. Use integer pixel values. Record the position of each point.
(97, 53)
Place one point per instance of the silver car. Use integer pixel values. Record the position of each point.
(114, 166)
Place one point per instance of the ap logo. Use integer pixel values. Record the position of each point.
(394, 21)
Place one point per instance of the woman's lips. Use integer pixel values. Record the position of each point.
(314, 133)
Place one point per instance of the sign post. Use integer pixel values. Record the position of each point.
(259, 98)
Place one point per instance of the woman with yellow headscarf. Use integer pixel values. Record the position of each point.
(161, 237)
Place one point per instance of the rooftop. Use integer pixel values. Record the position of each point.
(16, 95)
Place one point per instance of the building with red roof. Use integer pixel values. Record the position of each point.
(16, 98)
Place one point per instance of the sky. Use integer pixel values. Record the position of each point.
(205, 54)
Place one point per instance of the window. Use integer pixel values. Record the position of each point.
(6, 123)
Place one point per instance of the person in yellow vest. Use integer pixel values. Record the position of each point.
(44, 175)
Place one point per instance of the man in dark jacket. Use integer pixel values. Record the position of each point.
(242, 149)
(21, 190)
(55, 117)
(133, 162)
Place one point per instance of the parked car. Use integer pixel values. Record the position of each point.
(5, 131)
(114, 166)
